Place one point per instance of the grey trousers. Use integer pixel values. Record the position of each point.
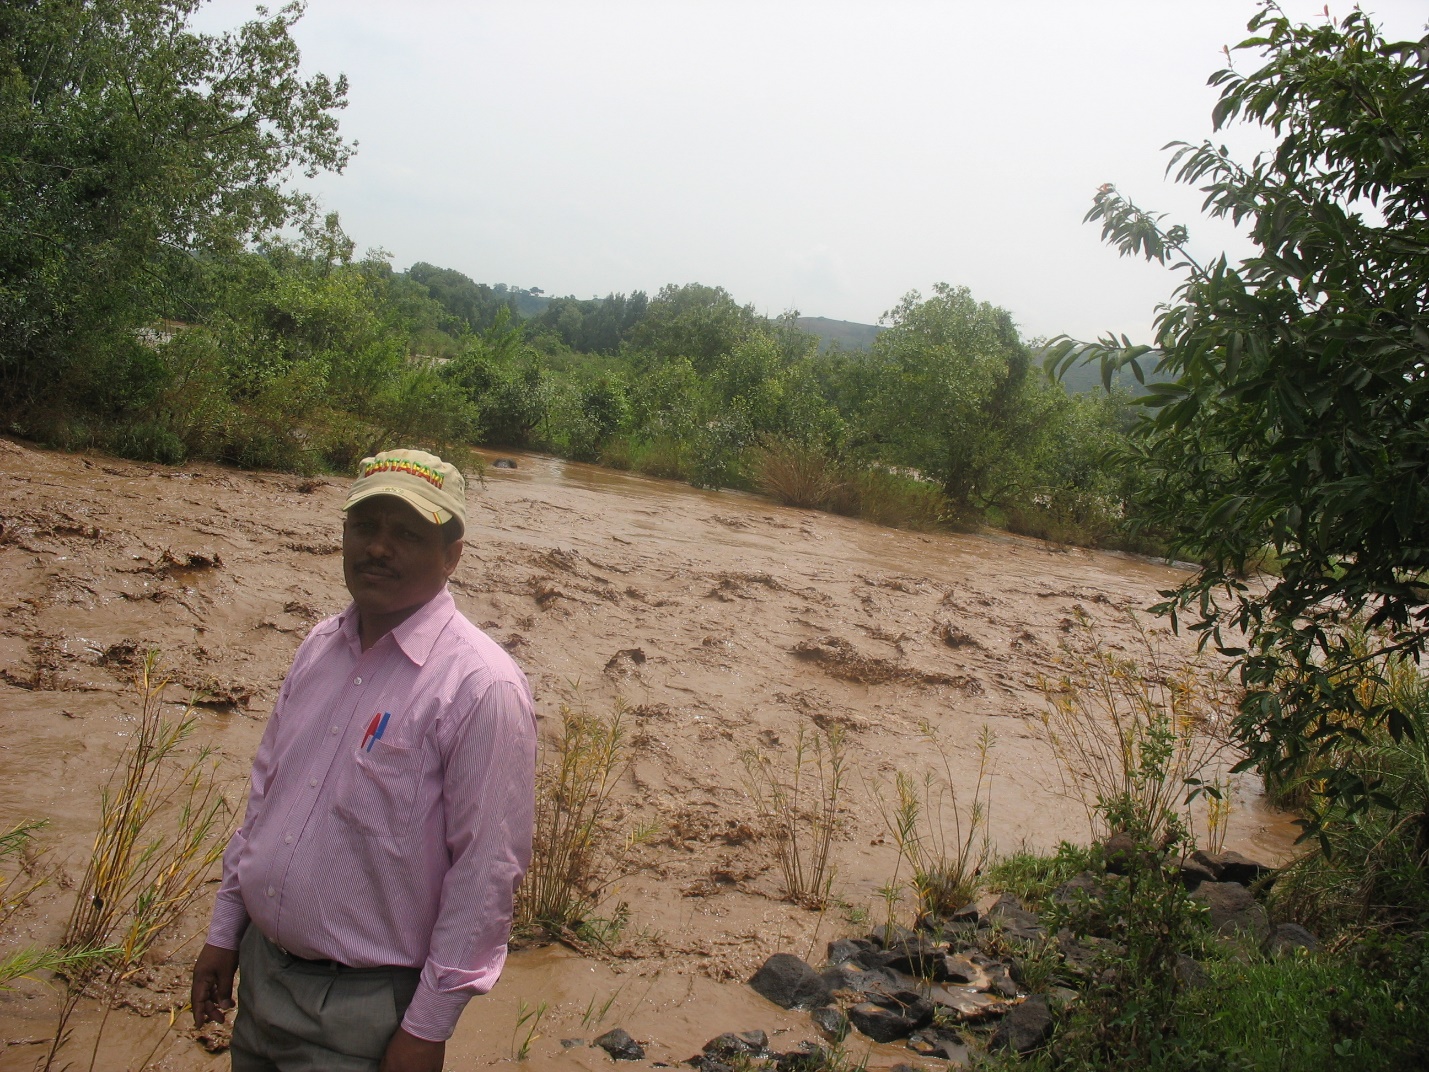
(296, 1016)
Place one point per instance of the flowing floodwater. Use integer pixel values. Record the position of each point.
(723, 621)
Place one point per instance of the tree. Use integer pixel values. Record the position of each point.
(946, 381)
(1298, 416)
(694, 321)
(129, 144)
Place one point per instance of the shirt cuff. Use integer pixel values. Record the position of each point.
(230, 920)
(432, 1014)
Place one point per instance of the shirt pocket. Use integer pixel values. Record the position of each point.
(381, 789)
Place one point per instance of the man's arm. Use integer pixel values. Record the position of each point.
(489, 801)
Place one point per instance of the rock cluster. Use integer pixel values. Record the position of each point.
(920, 986)
(927, 986)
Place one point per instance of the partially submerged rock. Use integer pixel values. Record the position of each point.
(621, 1047)
(790, 983)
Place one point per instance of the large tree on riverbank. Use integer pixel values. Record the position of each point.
(1299, 413)
(129, 144)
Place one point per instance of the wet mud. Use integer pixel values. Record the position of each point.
(722, 621)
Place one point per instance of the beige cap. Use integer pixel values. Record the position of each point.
(434, 487)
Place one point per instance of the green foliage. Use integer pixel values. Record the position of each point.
(694, 321)
(1298, 411)
(946, 396)
(128, 144)
(1307, 1013)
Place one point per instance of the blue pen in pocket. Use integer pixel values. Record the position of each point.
(375, 729)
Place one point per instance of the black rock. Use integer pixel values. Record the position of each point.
(1231, 866)
(920, 957)
(620, 1045)
(1190, 973)
(1233, 908)
(831, 1022)
(893, 1017)
(1025, 1027)
(1079, 888)
(1122, 854)
(851, 977)
(806, 1057)
(729, 1045)
(1288, 937)
(1193, 872)
(846, 949)
(504, 463)
(790, 983)
(880, 1024)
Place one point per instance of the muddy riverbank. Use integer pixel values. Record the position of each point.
(723, 621)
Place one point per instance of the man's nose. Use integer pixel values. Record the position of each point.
(380, 544)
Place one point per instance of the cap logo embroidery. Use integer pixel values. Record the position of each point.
(417, 469)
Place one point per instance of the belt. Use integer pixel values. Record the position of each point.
(334, 966)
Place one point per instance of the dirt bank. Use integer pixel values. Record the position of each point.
(724, 621)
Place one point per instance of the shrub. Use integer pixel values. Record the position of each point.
(795, 474)
(1131, 738)
(574, 851)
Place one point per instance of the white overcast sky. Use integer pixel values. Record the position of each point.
(822, 156)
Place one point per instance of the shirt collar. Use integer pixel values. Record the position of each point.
(417, 634)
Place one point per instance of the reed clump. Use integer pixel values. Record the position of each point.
(1138, 740)
(163, 825)
(576, 851)
(798, 805)
(942, 838)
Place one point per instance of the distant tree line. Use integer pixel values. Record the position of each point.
(164, 295)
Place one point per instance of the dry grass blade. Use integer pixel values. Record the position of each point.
(799, 807)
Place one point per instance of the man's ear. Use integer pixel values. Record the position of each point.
(453, 555)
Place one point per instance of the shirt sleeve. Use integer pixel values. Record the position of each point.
(489, 801)
(230, 917)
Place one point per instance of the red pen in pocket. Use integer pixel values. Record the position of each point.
(375, 729)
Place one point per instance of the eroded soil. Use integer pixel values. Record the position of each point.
(723, 622)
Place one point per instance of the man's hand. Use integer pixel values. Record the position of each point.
(212, 992)
(408, 1053)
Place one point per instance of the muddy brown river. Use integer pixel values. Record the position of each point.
(722, 621)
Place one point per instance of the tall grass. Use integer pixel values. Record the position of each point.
(941, 838)
(163, 824)
(1138, 739)
(574, 850)
(798, 805)
(799, 475)
(795, 474)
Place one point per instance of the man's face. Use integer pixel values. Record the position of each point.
(393, 559)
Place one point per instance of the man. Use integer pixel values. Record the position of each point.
(368, 893)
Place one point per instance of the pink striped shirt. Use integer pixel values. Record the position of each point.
(403, 847)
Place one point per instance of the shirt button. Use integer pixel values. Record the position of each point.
(334, 730)
(314, 783)
(270, 891)
(357, 681)
(288, 840)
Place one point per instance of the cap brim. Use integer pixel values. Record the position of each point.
(424, 506)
